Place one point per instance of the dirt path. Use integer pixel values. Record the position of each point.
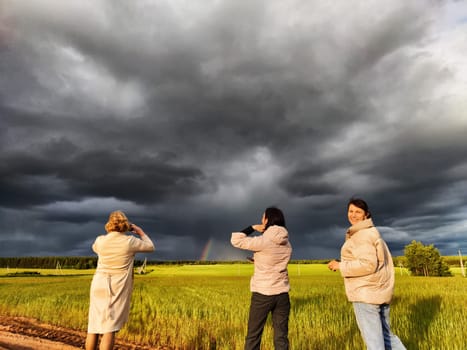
(21, 333)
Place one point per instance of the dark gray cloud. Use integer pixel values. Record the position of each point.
(194, 117)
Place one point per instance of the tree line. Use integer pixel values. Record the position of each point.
(87, 262)
(50, 262)
(419, 259)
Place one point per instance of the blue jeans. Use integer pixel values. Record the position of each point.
(373, 322)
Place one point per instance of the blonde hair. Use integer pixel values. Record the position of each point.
(117, 222)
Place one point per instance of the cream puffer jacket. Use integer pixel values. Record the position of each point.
(272, 252)
(366, 265)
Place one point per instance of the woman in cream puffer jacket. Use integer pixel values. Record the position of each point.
(270, 282)
(368, 271)
(370, 278)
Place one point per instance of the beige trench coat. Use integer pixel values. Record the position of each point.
(112, 283)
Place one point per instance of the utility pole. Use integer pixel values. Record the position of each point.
(58, 268)
(142, 268)
(462, 264)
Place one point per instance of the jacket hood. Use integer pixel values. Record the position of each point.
(359, 226)
(277, 234)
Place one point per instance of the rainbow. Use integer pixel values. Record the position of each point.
(206, 250)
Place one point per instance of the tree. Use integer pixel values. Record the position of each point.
(425, 260)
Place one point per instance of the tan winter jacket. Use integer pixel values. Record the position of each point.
(272, 254)
(366, 265)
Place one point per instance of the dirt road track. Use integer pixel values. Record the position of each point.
(21, 333)
(12, 341)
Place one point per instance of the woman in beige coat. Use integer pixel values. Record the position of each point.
(270, 282)
(368, 271)
(112, 283)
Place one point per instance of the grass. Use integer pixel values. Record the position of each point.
(206, 307)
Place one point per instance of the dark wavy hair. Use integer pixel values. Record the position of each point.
(274, 216)
(360, 203)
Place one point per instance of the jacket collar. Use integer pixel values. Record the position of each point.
(113, 233)
(359, 226)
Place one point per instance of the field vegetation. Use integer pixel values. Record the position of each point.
(206, 306)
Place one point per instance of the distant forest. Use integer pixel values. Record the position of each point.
(50, 262)
(90, 262)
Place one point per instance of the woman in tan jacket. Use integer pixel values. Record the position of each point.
(368, 271)
(112, 283)
(270, 282)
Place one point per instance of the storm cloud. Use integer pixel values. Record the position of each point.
(193, 117)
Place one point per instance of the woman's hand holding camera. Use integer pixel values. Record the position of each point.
(259, 227)
(136, 230)
(250, 229)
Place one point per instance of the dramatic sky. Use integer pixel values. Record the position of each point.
(194, 116)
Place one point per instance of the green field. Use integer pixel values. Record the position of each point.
(206, 307)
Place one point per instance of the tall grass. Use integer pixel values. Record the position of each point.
(206, 307)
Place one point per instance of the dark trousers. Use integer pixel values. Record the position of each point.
(261, 305)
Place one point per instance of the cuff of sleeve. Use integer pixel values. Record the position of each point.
(248, 231)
